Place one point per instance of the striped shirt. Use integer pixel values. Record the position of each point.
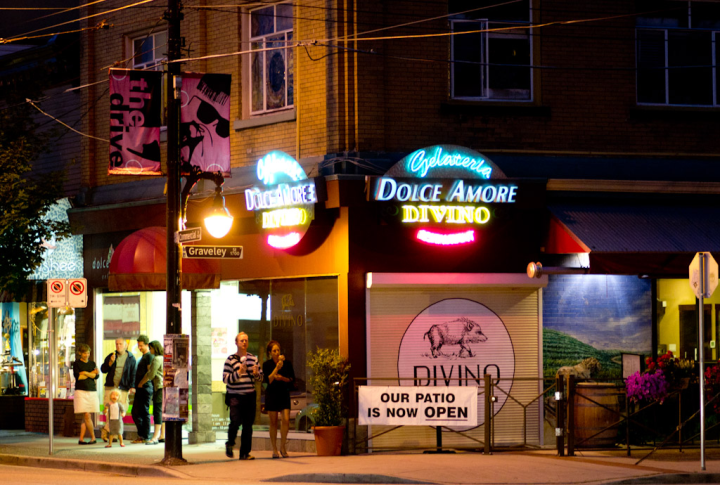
(237, 383)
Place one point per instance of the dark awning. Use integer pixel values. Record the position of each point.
(139, 263)
(641, 239)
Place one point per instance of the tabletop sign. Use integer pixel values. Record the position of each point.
(212, 252)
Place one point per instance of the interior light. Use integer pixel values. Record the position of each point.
(369, 281)
(219, 222)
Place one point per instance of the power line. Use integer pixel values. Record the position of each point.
(18, 37)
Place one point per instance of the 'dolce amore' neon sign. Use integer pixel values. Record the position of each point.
(444, 186)
(285, 202)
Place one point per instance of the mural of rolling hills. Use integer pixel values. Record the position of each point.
(560, 349)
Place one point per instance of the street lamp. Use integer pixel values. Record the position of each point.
(219, 221)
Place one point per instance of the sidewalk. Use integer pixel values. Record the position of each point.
(208, 461)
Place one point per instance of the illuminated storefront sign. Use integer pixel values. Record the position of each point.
(285, 203)
(442, 187)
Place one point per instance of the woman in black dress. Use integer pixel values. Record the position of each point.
(279, 375)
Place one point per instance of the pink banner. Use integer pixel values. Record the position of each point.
(135, 107)
(205, 122)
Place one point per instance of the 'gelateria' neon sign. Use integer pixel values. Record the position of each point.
(422, 161)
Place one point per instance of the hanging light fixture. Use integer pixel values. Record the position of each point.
(219, 221)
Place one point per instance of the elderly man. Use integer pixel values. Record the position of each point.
(119, 370)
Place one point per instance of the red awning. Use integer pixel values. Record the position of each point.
(139, 263)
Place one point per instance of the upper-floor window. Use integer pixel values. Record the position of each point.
(149, 51)
(489, 62)
(271, 68)
(677, 55)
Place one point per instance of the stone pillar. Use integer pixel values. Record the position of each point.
(202, 431)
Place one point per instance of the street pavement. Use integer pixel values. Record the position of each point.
(207, 462)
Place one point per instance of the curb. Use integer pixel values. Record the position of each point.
(90, 466)
(343, 478)
(670, 478)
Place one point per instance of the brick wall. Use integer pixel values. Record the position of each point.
(36, 416)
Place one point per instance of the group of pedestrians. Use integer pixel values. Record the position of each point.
(123, 377)
(144, 379)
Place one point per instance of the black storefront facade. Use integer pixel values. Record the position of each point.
(383, 254)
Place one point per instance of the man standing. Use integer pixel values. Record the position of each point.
(239, 374)
(143, 394)
(119, 370)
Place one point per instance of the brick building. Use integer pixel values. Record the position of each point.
(603, 113)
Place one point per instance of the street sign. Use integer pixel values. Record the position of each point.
(77, 293)
(67, 293)
(212, 252)
(189, 235)
(709, 275)
(57, 292)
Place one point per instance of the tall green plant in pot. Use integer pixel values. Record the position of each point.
(328, 381)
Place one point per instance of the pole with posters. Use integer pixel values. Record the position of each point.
(703, 281)
(61, 293)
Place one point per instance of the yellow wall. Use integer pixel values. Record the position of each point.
(677, 292)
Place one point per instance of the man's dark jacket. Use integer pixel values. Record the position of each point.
(127, 381)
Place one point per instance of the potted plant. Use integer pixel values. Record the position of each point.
(330, 375)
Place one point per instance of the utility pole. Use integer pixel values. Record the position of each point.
(173, 429)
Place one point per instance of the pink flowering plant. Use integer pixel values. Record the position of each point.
(650, 386)
(659, 378)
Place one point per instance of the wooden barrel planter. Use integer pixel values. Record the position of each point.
(591, 418)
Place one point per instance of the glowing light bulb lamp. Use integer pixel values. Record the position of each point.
(219, 221)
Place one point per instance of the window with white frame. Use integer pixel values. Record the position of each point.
(676, 53)
(271, 67)
(489, 60)
(149, 51)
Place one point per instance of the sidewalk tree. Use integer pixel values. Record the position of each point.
(25, 197)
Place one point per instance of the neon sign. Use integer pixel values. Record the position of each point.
(420, 163)
(284, 217)
(277, 162)
(284, 242)
(446, 239)
(285, 202)
(388, 188)
(452, 214)
(280, 196)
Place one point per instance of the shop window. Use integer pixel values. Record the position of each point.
(689, 331)
(13, 349)
(676, 59)
(487, 63)
(39, 358)
(300, 313)
(271, 71)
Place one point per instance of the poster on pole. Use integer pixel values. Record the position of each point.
(135, 109)
(205, 122)
(175, 377)
(418, 406)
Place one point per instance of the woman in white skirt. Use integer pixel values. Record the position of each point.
(86, 399)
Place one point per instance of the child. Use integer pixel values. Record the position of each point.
(114, 412)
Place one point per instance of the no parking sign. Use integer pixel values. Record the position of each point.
(67, 293)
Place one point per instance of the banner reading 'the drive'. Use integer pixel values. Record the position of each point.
(135, 109)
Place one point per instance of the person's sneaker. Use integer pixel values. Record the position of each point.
(228, 451)
(247, 457)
